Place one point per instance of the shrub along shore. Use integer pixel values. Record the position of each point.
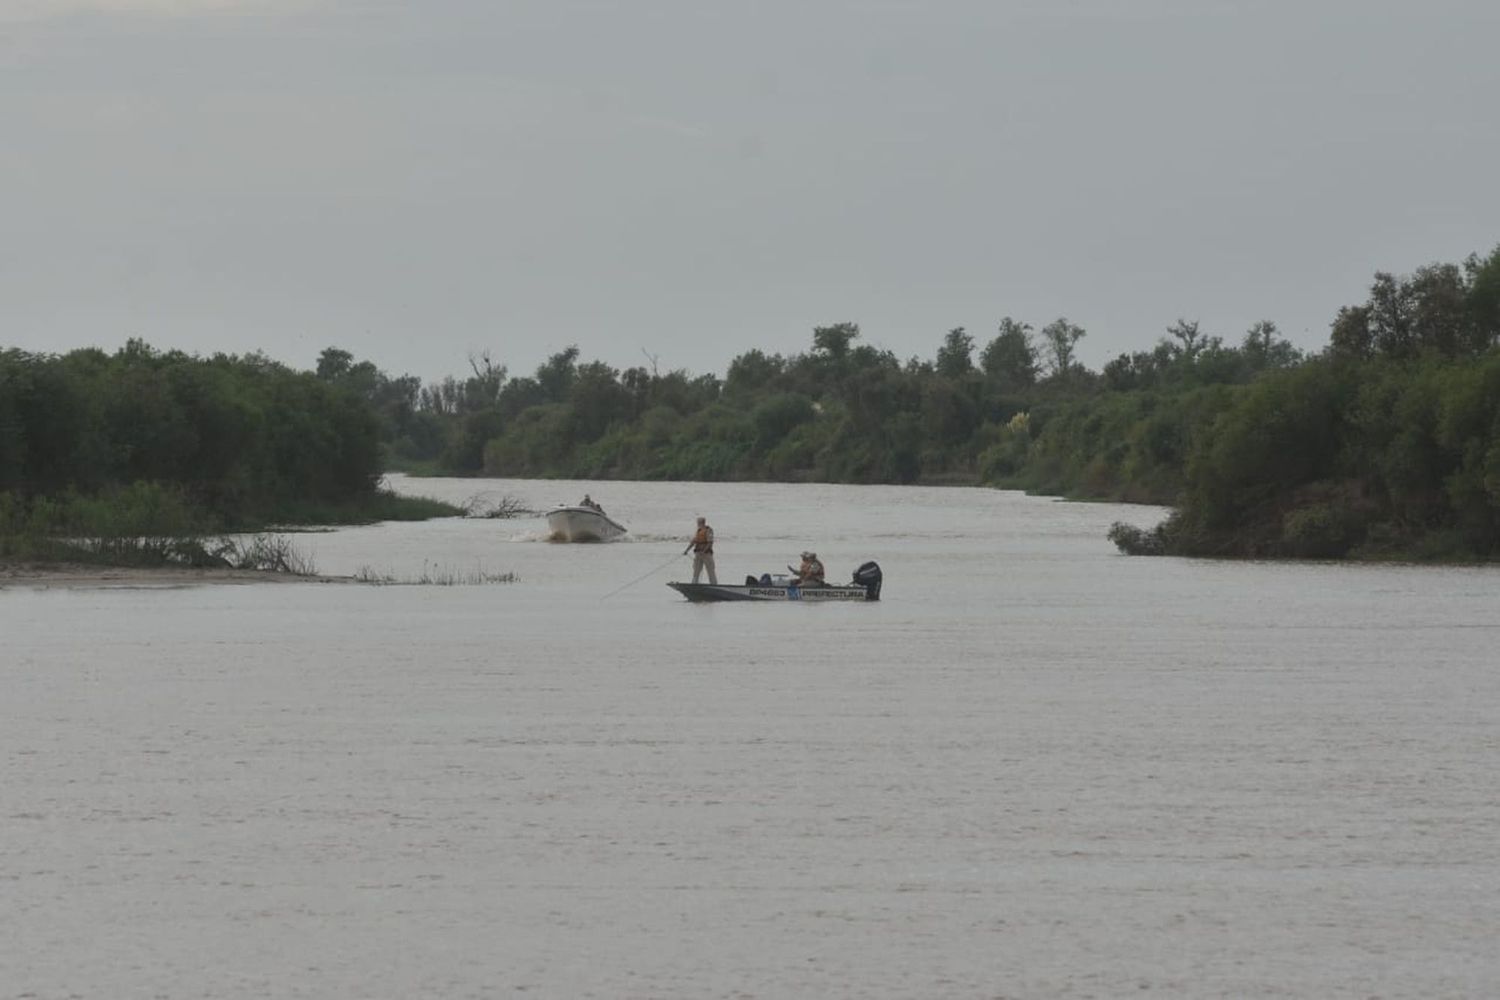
(1384, 444)
(145, 458)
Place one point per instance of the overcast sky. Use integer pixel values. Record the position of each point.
(416, 181)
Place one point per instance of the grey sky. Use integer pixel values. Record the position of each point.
(415, 181)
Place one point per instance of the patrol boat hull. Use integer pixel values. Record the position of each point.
(701, 592)
(582, 524)
(865, 587)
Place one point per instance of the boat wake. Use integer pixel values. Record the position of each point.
(532, 535)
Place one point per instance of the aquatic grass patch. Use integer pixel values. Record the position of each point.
(145, 524)
(382, 505)
(388, 506)
(140, 524)
(434, 575)
(264, 553)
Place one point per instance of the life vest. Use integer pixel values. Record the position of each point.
(703, 540)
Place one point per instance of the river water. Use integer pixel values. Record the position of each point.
(1036, 768)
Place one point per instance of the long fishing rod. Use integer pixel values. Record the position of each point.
(643, 576)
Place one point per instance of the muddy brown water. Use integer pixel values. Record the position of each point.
(1036, 768)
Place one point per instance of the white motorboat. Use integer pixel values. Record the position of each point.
(582, 524)
(864, 587)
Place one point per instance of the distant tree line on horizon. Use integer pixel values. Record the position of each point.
(1385, 442)
(842, 411)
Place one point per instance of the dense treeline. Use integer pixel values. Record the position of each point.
(1386, 442)
(1387, 454)
(843, 411)
(172, 443)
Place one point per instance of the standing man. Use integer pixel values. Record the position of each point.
(702, 547)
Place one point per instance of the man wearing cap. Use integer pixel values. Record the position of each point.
(702, 547)
(810, 574)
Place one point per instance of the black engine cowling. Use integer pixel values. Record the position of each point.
(869, 576)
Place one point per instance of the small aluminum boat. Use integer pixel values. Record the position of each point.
(582, 524)
(864, 587)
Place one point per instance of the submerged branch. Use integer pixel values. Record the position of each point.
(501, 506)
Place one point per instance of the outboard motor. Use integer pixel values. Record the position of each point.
(869, 576)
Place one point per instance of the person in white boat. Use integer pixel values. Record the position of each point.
(810, 573)
(588, 502)
(702, 548)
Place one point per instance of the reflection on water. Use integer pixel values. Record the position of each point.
(1035, 768)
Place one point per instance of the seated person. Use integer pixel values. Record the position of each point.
(810, 573)
(589, 502)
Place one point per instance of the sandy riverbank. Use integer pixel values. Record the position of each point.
(83, 575)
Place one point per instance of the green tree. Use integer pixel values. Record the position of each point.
(1484, 298)
(751, 372)
(832, 342)
(598, 401)
(777, 416)
(955, 356)
(1189, 339)
(556, 374)
(1061, 339)
(1264, 347)
(334, 363)
(1351, 336)
(1011, 357)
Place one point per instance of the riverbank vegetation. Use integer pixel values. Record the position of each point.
(144, 457)
(1385, 443)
